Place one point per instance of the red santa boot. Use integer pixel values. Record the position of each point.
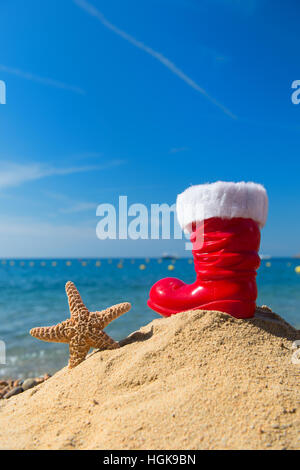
(224, 220)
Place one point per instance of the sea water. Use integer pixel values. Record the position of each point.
(32, 294)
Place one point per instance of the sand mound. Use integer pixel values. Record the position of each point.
(197, 380)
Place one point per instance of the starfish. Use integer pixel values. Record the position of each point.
(84, 329)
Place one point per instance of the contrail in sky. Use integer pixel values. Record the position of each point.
(160, 57)
(38, 79)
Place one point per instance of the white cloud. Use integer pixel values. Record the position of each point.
(71, 206)
(42, 80)
(28, 227)
(15, 174)
(79, 207)
(91, 10)
(27, 237)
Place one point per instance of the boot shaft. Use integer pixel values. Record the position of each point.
(226, 249)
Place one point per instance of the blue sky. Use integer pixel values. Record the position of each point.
(143, 98)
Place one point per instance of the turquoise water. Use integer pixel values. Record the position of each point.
(33, 295)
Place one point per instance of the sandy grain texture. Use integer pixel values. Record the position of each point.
(197, 380)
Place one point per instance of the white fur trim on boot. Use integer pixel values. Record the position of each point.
(222, 199)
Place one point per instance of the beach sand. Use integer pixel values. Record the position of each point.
(197, 380)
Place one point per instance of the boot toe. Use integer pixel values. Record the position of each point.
(163, 294)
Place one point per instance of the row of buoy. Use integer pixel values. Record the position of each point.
(98, 263)
(297, 268)
(142, 267)
(31, 263)
(120, 264)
